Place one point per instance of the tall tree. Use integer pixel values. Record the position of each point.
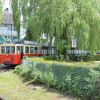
(16, 15)
(64, 19)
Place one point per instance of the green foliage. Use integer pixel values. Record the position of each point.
(33, 29)
(97, 68)
(96, 94)
(54, 58)
(16, 15)
(18, 69)
(83, 81)
(61, 19)
(78, 81)
(24, 72)
(97, 57)
(80, 58)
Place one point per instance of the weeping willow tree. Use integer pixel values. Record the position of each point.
(86, 24)
(62, 20)
(33, 28)
(54, 17)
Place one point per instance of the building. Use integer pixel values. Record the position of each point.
(7, 26)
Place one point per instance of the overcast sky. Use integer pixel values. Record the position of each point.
(6, 4)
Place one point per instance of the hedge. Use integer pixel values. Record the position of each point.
(97, 57)
(78, 81)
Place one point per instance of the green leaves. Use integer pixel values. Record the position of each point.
(16, 15)
(82, 81)
(61, 19)
(34, 27)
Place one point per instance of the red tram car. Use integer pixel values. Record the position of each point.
(12, 53)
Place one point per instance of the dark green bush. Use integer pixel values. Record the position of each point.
(55, 58)
(80, 57)
(97, 68)
(96, 94)
(79, 81)
(75, 57)
(97, 57)
(83, 81)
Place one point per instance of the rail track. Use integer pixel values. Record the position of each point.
(4, 68)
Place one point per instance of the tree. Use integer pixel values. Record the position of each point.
(64, 19)
(16, 15)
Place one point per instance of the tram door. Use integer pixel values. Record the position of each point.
(5, 51)
(10, 51)
(12, 54)
(7, 54)
(19, 54)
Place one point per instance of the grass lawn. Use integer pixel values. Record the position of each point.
(13, 88)
(90, 64)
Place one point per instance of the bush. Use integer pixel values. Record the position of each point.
(97, 57)
(55, 58)
(80, 57)
(75, 58)
(97, 68)
(83, 81)
(18, 69)
(79, 81)
(96, 93)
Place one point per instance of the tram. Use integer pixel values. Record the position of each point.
(12, 53)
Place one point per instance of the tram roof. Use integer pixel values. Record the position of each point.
(24, 42)
(16, 41)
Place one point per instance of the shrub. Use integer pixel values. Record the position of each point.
(96, 94)
(55, 58)
(83, 81)
(97, 57)
(79, 81)
(18, 69)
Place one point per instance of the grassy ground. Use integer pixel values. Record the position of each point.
(13, 88)
(91, 64)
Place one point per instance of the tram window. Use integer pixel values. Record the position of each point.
(40, 50)
(26, 49)
(18, 49)
(13, 50)
(7, 49)
(31, 49)
(2, 50)
(21, 49)
(36, 49)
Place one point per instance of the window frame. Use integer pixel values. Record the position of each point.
(11, 50)
(32, 50)
(28, 50)
(3, 50)
(35, 50)
(7, 51)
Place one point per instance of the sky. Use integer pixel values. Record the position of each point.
(6, 4)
